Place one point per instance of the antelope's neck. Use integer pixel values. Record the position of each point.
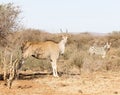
(62, 46)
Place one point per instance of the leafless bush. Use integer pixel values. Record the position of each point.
(9, 21)
(114, 38)
(10, 63)
(9, 18)
(12, 71)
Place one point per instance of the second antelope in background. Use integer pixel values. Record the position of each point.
(44, 50)
(99, 50)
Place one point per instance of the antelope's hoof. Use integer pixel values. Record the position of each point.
(56, 76)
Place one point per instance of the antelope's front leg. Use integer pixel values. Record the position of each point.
(54, 67)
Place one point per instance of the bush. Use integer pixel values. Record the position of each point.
(9, 18)
(114, 38)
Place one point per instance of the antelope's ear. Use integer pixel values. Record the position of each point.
(68, 34)
(61, 33)
(110, 43)
(106, 43)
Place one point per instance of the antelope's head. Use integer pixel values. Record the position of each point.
(107, 46)
(64, 36)
(63, 41)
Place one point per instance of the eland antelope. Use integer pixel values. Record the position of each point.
(100, 50)
(44, 50)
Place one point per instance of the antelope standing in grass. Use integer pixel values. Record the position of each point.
(100, 50)
(44, 50)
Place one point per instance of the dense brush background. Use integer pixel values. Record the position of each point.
(76, 59)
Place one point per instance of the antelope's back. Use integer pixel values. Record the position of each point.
(45, 47)
(96, 50)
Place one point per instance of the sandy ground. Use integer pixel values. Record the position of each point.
(97, 83)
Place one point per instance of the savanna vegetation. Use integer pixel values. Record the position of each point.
(76, 53)
(76, 59)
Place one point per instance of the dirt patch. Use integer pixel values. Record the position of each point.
(97, 83)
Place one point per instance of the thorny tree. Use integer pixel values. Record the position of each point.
(9, 21)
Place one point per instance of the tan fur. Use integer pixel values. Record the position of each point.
(41, 49)
(44, 50)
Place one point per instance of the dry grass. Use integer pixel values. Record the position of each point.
(97, 83)
(76, 53)
(80, 73)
